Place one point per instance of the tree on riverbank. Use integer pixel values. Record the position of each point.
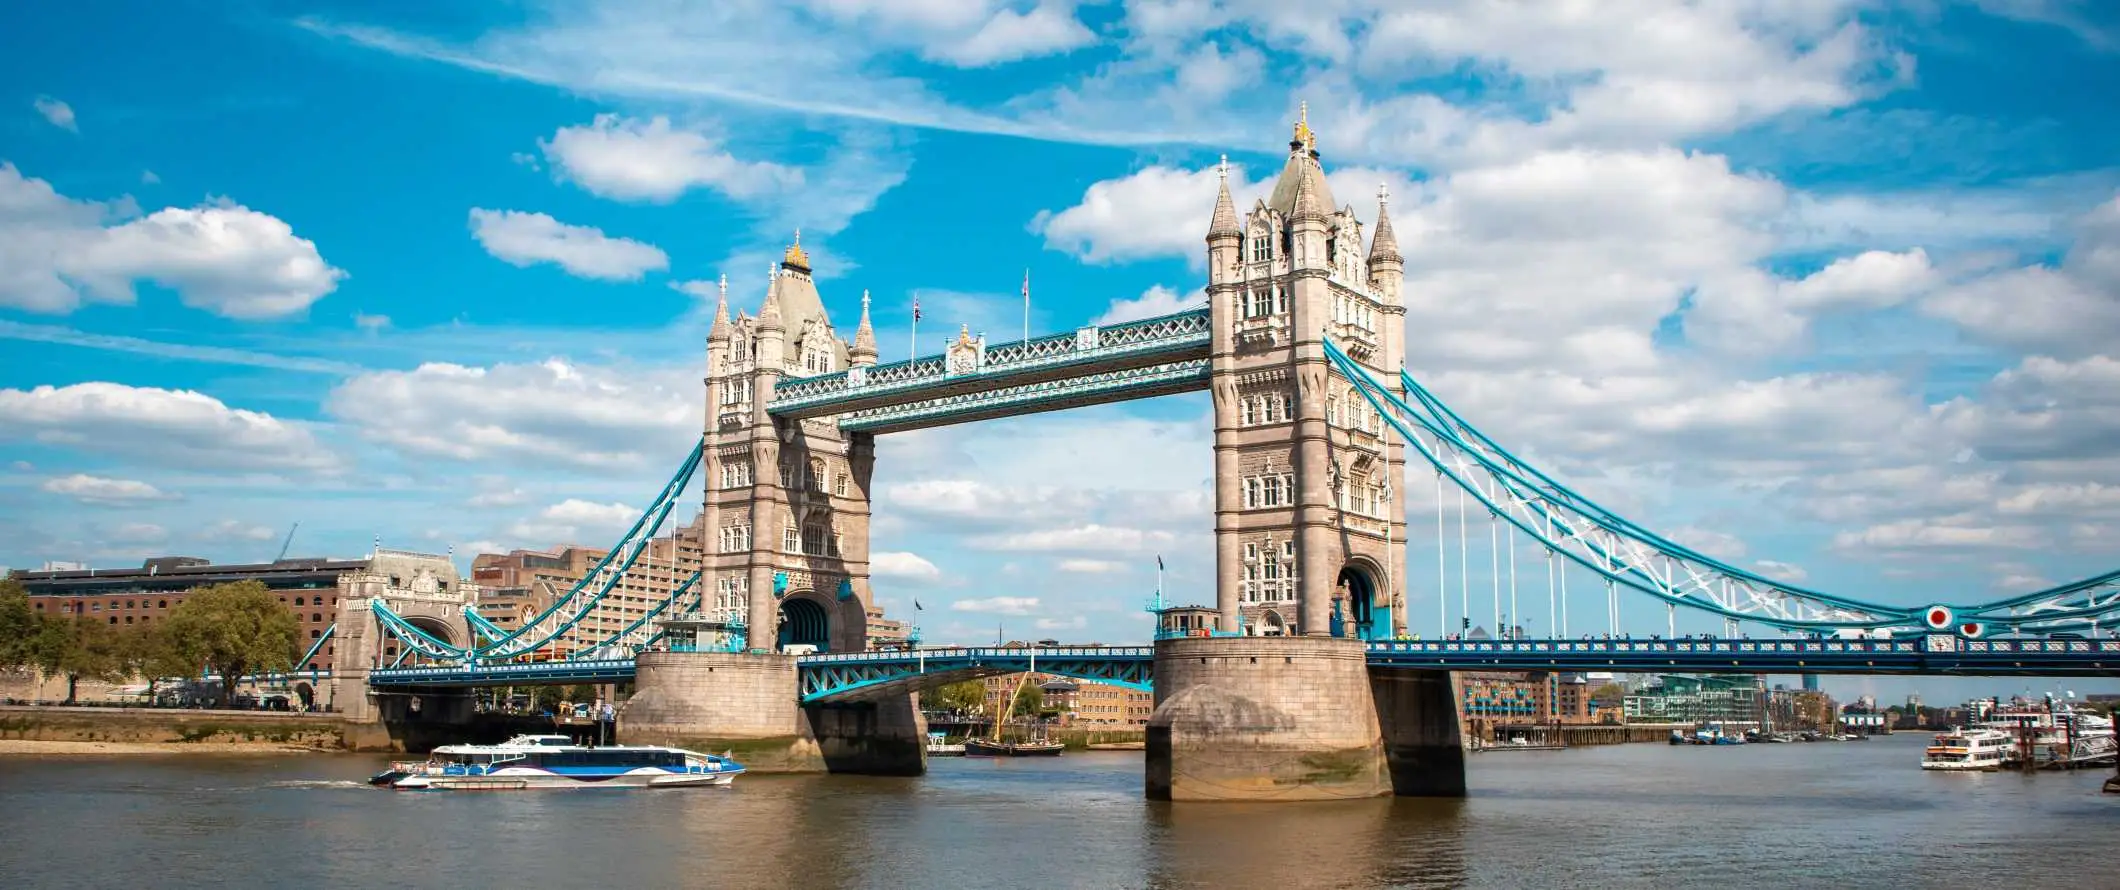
(964, 698)
(233, 629)
(18, 626)
(78, 648)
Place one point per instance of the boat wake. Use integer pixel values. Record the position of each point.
(317, 783)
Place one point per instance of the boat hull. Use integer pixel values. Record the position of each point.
(982, 748)
(540, 780)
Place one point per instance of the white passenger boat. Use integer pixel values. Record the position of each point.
(1966, 749)
(554, 761)
(2052, 733)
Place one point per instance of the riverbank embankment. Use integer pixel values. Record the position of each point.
(30, 729)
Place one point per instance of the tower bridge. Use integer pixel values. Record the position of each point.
(1307, 686)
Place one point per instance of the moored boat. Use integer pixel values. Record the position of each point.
(1029, 748)
(529, 762)
(1961, 750)
(939, 745)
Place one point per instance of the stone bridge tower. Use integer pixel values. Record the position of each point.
(424, 589)
(1307, 523)
(786, 523)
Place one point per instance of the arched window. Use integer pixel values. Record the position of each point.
(316, 616)
(161, 604)
(297, 601)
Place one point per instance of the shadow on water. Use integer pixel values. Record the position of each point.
(1385, 842)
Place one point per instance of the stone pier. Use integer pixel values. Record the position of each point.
(1297, 718)
(749, 706)
(1264, 718)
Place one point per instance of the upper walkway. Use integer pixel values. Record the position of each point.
(1093, 365)
(857, 675)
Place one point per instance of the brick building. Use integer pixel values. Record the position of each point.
(139, 597)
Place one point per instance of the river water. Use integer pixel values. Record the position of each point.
(1798, 815)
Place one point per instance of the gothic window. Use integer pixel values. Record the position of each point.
(1280, 298)
(790, 540)
(839, 485)
(1288, 550)
(1251, 493)
(1332, 251)
(1332, 411)
(1261, 247)
(813, 538)
(1251, 551)
(1260, 305)
(790, 477)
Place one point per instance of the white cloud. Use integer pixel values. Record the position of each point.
(1155, 301)
(894, 564)
(499, 497)
(1082, 539)
(148, 177)
(2071, 309)
(237, 530)
(370, 323)
(1721, 545)
(1782, 571)
(648, 160)
(998, 605)
(1157, 211)
(57, 113)
(224, 258)
(161, 427)
(1752, 312)
(1077, 622)
(1090, 566)
(549, 413)
(575, 521)
(138, 533)
(1045, 29)
(103, 491)
(522, 239)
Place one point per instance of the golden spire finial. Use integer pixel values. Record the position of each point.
(796, 256)
(1305, 137)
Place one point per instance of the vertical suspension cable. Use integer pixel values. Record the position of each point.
(1564, 600)
(1513, 613)
(1464, 562)
(1442, 579)
(1494, 568)
(1553, 621)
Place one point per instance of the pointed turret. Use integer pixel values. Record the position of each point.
(1383, 246)
(863, 354)
(1225, 221)
(720, 331)
(769, 311)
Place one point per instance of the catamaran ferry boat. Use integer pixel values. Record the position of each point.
(2052, 734)
(555, 761)
(1967, 749)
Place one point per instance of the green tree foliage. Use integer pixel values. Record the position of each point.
(78, 648)
(1029, 700)
(234, 629)
(18, 626)
(964, 698)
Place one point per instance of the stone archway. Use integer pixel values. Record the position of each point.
(804, 622)
(1360, 618)
(1272, 625)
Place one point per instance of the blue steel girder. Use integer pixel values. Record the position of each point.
(1085, 353)
(545, 673)
(1189, 375)
(860, 675)
(1936, 654)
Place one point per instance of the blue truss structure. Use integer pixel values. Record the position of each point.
(858, 675)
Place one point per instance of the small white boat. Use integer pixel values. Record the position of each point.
(939, 745)
(1966, 749)
(529, 762)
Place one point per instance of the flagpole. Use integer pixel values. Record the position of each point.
(1026, 305)
(913, 348)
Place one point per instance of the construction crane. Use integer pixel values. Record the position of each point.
(286, 543)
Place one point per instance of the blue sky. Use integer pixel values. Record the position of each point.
(1827, 287)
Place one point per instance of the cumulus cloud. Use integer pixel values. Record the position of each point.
(1155, 301)
(1157, 211)
(998, 605)
(56, 113)
(237, 530)
(899, 564)
(1080, 539)
(550, 413)
(104, 492)
(2069, 309)
(575, 521)
(1090, 566)
(649, 160)
(56, 252)
(524, 239)
(163, 427)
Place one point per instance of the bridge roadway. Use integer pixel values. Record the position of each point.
(859, 675)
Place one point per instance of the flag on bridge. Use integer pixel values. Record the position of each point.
(916, 308)
(1159, 562)
(916, 604)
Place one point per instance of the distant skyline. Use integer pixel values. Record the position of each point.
(1827, 288)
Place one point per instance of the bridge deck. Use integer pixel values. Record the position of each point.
(864, 674)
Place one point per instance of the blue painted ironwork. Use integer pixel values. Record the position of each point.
(315, 647)
(1630, 556)
(480, 626)
(1932, 654)
(1030, 398)
(857, 675)
(543, 673)
(1147, 341)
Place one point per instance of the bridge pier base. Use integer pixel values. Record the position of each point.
(1424, 742)
(1264, 718)
(748, 706)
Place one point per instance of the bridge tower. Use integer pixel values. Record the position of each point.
(1306, 481)
(1308, 530)
(787, 501)
(785, 550)
(424, 589)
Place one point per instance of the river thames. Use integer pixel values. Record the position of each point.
(1849, 814)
